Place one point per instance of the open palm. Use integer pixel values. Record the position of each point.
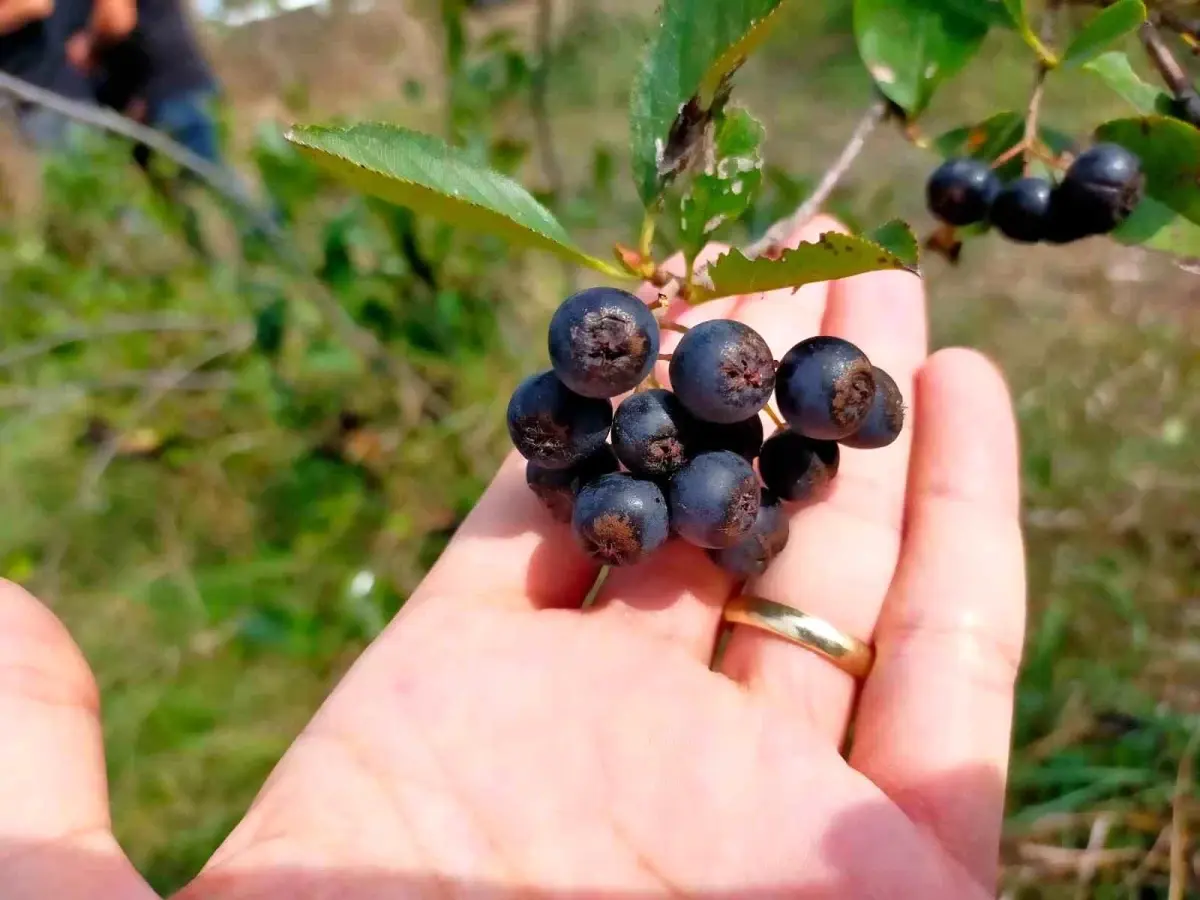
(496, 741)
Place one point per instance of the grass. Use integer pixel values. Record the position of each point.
(272, 515)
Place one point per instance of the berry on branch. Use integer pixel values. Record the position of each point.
(553, 426)
(619, 519)
(714, 499)
(722, 371)
(885, 420)
(797, 468)
(764, 541)
(603, 342)
(961, 190)
(1021, 211)
(825, 388)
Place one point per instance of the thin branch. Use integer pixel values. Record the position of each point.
(153, 395)
(1031, 115)
(106, 120)
(111, 326)
(1173, 74)
(539, 88)
(224, 184)
(11, 397)
(778, 233)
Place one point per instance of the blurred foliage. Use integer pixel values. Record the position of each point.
(225, 503)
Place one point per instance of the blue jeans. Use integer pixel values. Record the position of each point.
(188, 119)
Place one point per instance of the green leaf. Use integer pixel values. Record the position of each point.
(722, 192)
(1157, 227)
(1170, 155)
(912, 46)
(683, 82)
(832, 256)
(990, 12)
(1104, 29)
(992, 137)
(425, 174)
(898, 239)
(1115, 70)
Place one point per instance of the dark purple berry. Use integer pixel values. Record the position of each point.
(652, 433)
(553, 426)
(825, 388)
(764, 541)
(797, 468)
(619, 519)
(1101, 188)
(603, 342)
(1021, 211)
(714, 499)
(744, 438)
(960, 191)
(885, 419)
(557, 488)
(723, 371)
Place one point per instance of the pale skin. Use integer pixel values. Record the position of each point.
(497, 742)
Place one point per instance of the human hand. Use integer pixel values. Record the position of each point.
(496, 741)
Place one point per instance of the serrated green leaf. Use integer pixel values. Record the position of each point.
(1115, 70)
(722, 192)
(912, 46)
(1170, 155)
(994, 136)
(697, 47)
(830, 257)
(898, 239)
(1156, 226)
(427, 175)
(1105, 28)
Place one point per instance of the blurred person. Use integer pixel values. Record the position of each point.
(155, 72)
(33, 47)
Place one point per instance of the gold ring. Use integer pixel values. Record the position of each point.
(847, 653)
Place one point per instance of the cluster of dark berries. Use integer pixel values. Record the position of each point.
(1099, 191)
(682, 462)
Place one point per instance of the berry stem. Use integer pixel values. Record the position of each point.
(1031, 117)
(774, 417)
(1173, 74)
(673, 326)
(664, 357)
(601, 577)
(646, 238)
(786, 228)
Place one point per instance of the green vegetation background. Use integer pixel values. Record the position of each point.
(225, 504)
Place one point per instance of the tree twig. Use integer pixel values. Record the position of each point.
(1173, 74)
(1031, 115)
(538, 103)
(11, 397)
(154, 394)
(110, 327)
(785, 228)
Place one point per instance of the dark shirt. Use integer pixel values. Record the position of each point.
(37, 51)
(175, 61)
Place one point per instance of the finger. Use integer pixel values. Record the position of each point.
(940, 698)
(678, 595)
(510, 552)
(842, 551)
(53, 789)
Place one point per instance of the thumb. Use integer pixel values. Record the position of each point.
(55, 834)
